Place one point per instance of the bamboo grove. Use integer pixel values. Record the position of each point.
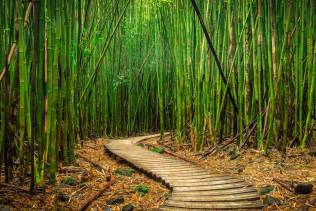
(242, 69)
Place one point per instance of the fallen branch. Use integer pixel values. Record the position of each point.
(93, 163)
(96, 196)
(283, 185)
(248, 136)
(68, 169)
(75, 192)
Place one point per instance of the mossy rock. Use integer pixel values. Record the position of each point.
(303, 188)
(69, 181)
(142, 189)
(128, 207)
(158, 150)
(115, 201)
(128, 172)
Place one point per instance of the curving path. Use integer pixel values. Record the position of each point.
(193, 188)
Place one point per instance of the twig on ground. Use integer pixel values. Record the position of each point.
(283, 185)
(75, 192)
(96, 196)
(93, 163)
(68, 169)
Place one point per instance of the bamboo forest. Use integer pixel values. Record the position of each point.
(157, 105)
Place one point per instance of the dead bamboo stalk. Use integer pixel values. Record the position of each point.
(8, 59)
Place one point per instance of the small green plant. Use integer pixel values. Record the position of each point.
(141, 145)
(158, 150)
(234, 154)
(69, 181)
(142, 189)
(124, 172)
(265, 190)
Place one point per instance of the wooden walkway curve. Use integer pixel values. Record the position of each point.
(193, 188)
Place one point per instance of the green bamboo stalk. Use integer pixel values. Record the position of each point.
(22, 87)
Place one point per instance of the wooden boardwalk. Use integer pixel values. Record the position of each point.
(193, 188)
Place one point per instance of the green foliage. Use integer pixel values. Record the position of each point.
(270, 200)
(157, 149)
(69, 181)
(125, 172)
(234, 153)
(265, 190)
(141, 145)
(142, 189)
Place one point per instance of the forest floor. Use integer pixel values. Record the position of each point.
(115, 186)
(78, 185)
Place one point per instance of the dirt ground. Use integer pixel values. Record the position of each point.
(88, 181)
(277, 173)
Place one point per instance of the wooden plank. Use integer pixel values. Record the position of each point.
(211, 187)
(171, 167)
(189, 174)
(206, 176)
(156, 159)
(215, 205)
(160, 161)
(163, 165)
(215, 192)
(189, 181)
(149, 166)
(181, 170)
(186, 174)
(222, 198)
(207, 183)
